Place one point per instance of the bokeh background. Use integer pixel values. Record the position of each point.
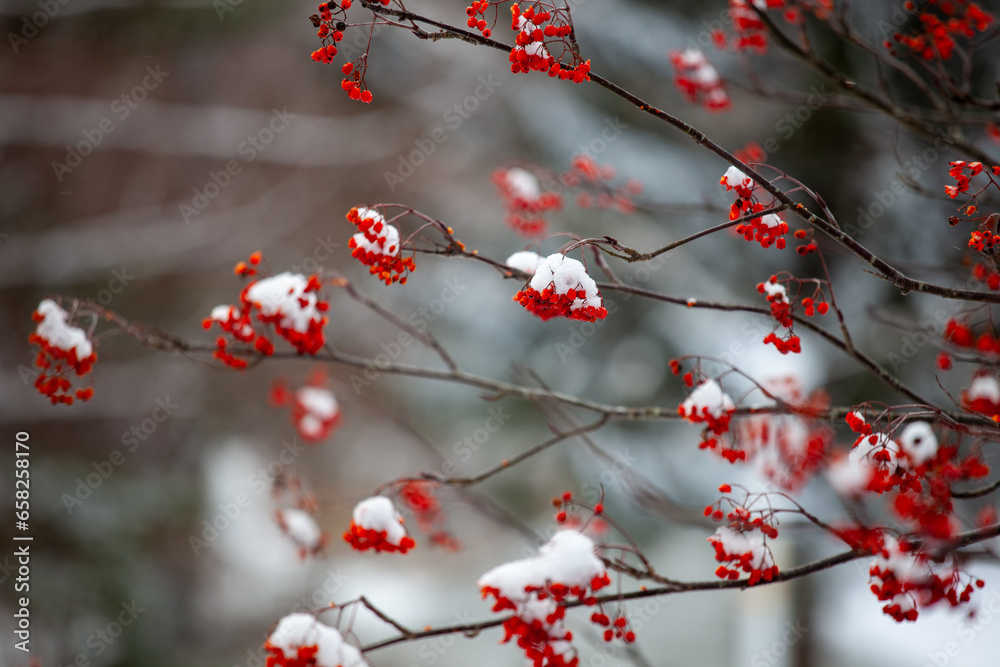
(198, 78)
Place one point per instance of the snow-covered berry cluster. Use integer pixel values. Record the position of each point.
(65, 350)
(377, 525)
(525, 200)
(907, 578)
(698, 80)
(560, 287)
(299, 640)
(534, 589)
(288, 302)
(542, 28)
(768, 229)
(315, 410)
(708, 404)
(377, 245)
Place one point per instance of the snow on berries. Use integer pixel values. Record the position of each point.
(983, 395)
(299, 640)
(377, 245)
(561, 287)
(301, 529)
(541, 30)
(288, 302)
(525, 201)
(534, 589)
(906, 579)
(768, 229)
(525, 261)
(708, 404)
(315, 410)
(787, 448)
(64, 350)
(743, 552)
(376, 525)
(698, 80)
(918, 442)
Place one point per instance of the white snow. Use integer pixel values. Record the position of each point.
(55, 329)
(284, 295)
(566, 273)
(522, 184)
(776, 289)
(736, 543)
(378, 514)
(524, 260)
(734, 178)
(386, 243)
(299, 629)
(708, 396)
(983, 387)
(701, 70)
(568, 558)
(301, 527)
(918, 442)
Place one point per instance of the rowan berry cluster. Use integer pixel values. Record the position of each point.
(65, 350)
(299, 640)
(560, 287)
(768, 229)
(941, 26)
(782, 310)
(288, 302)
(541, 29)
(698, 80)
(419, 498)
(331, 23)
(315, 410)
(742, 546)
(377, 245)
(375, 524)
(536, 589)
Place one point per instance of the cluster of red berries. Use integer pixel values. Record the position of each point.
(617, 628)
(419, 497)
(64, 350)
(549, 303)
(362, 539)
(531, 46)
(698, 80)
(288, 302)
(936, 37)
(377, 245)
(525, 200)
(330, 24)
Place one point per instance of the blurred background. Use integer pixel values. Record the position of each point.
(167, 94)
